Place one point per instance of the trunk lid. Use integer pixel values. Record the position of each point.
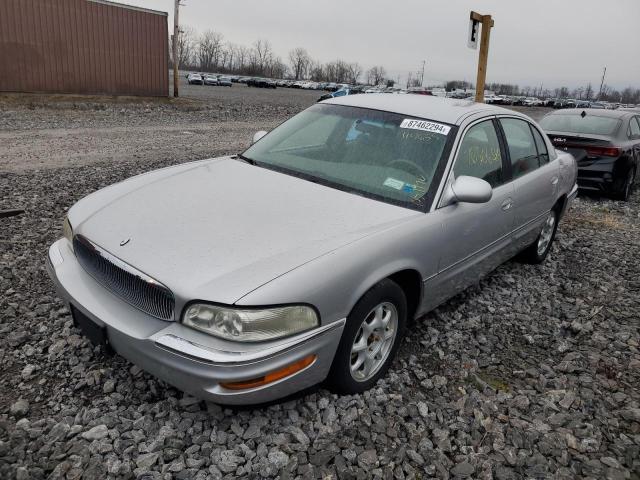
(585, 148)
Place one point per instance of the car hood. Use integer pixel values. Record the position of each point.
(221, 228)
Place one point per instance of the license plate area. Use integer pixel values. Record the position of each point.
(97, 334)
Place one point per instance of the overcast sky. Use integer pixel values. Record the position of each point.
(555, 42)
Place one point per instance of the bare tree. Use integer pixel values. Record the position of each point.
(376, 75)
(261, 56)
(354, 70)
(277, 68)
(299, 59)
(242, 55)
(588, 92)
(316, 71)
(209, 50)
(186, 46)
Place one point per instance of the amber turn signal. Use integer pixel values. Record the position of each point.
(271, 377)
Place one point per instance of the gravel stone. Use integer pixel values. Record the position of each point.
(96, 433)
(278, 458)
(463, 470)
(19, 408)
(368, 459)
(109, 386)
(147, 460)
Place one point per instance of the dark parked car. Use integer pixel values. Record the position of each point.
(261, 83)
(606, 144)
(565, 103)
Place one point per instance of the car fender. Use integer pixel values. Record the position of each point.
(335, 281)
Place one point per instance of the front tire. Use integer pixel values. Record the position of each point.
(539, 249)
(371, 337)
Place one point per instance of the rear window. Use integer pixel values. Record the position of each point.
(578, 124)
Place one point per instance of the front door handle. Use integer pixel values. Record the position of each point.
(554, 181)
(507, 204)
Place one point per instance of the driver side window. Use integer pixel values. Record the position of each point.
(479, 155)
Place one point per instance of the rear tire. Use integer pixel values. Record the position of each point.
(627, 187)
(537, 252)
(370, 339)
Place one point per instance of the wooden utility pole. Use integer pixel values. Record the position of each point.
(602, 82)
(176, 60)
(487, 24)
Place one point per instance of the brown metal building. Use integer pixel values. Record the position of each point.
(82, 46)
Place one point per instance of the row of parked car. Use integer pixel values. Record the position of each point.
(552, 102)
(209, 79)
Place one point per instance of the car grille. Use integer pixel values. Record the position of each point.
(134, 287)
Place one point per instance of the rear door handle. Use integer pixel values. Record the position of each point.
(507, 204)
(554, 181)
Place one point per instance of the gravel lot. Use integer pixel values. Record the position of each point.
(534, 373)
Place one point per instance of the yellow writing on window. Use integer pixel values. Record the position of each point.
(483, 156)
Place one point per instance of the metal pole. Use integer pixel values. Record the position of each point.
(176, 32)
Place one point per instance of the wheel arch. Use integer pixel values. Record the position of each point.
(408, 279)
(561, 205)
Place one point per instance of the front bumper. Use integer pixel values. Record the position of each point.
(189, 360)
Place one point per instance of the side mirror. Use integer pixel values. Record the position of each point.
(258, 135)
(466, 189)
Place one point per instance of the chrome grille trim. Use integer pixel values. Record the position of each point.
(121, 279)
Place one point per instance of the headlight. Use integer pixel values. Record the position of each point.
(67, 230)
(244, 325)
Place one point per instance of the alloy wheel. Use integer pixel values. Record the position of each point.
(544, 240)
(373, 341)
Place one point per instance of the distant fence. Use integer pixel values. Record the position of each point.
(82, 46)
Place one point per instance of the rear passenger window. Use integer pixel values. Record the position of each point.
(543, 154)
(634, 128)
(479, 155)
(522, 147)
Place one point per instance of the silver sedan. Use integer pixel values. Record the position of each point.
(246, 278)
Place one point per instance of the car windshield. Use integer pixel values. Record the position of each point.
(381, 155)
(589, 124)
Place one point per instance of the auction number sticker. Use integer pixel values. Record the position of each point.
(425, 126)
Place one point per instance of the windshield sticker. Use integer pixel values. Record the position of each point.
(425, 126)
(393, 183)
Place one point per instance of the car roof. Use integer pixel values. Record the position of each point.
(595, 113)
(446, 110)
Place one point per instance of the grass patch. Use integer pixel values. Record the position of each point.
(57, 100)
(483, 380)
(610, 221)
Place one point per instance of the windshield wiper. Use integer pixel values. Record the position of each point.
(250, 161)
